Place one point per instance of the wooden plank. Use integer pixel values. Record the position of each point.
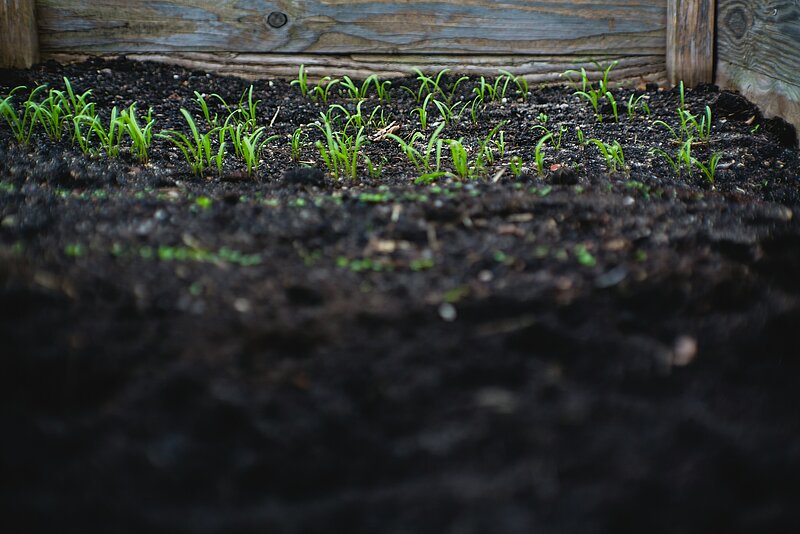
(536, 69)
(630, 27)
(690, 41)
(19, 43)
(759, 53)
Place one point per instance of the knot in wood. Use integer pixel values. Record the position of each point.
(276, 19)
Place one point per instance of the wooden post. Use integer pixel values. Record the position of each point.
(19, 41)
(690, 41)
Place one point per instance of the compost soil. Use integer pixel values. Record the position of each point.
(577, 351)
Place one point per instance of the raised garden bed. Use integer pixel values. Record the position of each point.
(596, 345)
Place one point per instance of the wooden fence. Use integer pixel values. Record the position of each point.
(756, 42)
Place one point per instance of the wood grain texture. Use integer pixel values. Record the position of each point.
(690, 41)
(19, 43)
(758, 46)
(631, 27)
(536, 69)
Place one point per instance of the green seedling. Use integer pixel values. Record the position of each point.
(360, 93)
(422, 111)
(612, 154)
(201, 101)
(53, 114)
(110, 137)
(301, 81)
(683, 158)
(141, 136)
(581, 137)
(251, 146)
(708, 169)
(587, 90)
(340, 151)
(555, 138)
(538, 153)
(374, 170)
(613, 102)
(297, 141)
(460, 159)
(449, 113)
(515, 166)
(422, 160)
(197, 149)
(640, 102)
(21, 124)
(519, 81)
(322, 90)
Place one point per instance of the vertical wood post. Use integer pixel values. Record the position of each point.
(690, 41)
(19, 40)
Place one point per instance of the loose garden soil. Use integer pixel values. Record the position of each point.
(580, 351)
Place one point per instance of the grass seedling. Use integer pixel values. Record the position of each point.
(374, 170)
(613, 102)
(681, 159)
(422, 160)
(302, 81)
(460, 158)
(297, 141)
(201, 101)
(515, 166)
(587, 90)
(485, 153)
(581, 137)
(709, 169)
(538, 153)
(141, 137)
(53, 114)
(110, 138)
(360, 93)
(612, 153)
(340, 151)
(520, 82)
(251, 146)
(433, 86)
(197, 150)
(422, 111)
(638, 102)
(554, 137)
(449, 113)
(322, 90)
(21, 124)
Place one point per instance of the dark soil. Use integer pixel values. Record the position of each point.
(577, 352)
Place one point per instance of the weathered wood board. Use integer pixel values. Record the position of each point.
(536, 69)
(622, 27)
(690, 41)
(19, 44)
(758, 47)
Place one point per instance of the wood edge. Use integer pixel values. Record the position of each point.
(775, 98)
(535, 69)
(690, 41)
(19, 38)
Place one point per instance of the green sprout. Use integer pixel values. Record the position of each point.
(515, 165)
(141, 136)
(302, 81)
(297, 141)
(340, 150)
(612, 154)
(422, 160)
(21, 124)
(708, 169)
(197, 150)
(538, 153)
